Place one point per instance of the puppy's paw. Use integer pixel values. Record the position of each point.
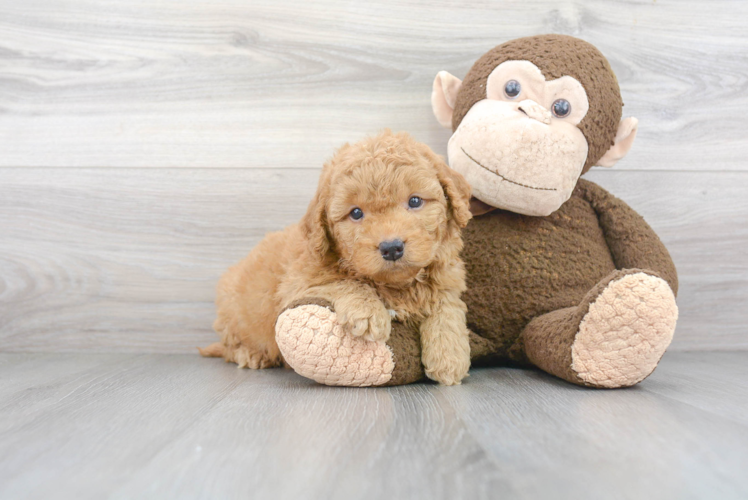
(448, 372)
(365, 318)
(446, 360)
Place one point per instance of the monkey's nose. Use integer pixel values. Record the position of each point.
(392, 250)
(535, 111)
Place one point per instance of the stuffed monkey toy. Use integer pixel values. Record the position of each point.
(561, 275)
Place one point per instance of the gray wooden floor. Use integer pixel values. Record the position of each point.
(178, 426)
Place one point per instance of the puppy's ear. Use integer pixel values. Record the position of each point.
(314, 223)
(457, 190)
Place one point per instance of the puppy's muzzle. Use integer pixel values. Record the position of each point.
(392, 250)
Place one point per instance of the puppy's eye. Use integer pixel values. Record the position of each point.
(512, 89)
(415, 202)
(356, 214)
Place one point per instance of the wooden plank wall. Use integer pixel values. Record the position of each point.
(147, 145)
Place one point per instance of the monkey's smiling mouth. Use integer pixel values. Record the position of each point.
(508, 180)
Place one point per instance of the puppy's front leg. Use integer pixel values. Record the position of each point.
(445, 349)
(359, 309)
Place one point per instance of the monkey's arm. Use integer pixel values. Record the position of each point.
(633, 244)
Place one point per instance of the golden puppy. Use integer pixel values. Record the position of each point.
(381, 237)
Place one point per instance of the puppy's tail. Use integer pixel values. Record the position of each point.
(214, 350)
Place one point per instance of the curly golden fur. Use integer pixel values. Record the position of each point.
(331, 256)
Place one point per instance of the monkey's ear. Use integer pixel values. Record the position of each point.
(443, 97)
(622, 143)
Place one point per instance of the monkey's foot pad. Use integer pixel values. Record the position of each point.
(316, 347)
(625, 332)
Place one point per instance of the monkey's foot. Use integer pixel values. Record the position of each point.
(314, 344)
(625, 331)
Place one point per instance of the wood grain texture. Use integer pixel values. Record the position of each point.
(127, 259)
(174, 426)
(266, 84)
(123, 255)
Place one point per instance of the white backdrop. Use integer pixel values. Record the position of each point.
(146, 146)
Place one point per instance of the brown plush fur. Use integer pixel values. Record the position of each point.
(521, 267)
(332, 257)
(555, 56)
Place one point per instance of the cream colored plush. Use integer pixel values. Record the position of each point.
(514, 160)
(316, 346)
(625, 332)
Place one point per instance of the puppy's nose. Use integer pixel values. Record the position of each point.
(392, 250)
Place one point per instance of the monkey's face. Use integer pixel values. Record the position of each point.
(532, 115)
(520, 148)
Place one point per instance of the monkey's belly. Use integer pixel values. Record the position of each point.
(519, 267)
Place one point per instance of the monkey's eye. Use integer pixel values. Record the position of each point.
(561, 108)
(356, 214)
(415, 202)
(512, 89)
